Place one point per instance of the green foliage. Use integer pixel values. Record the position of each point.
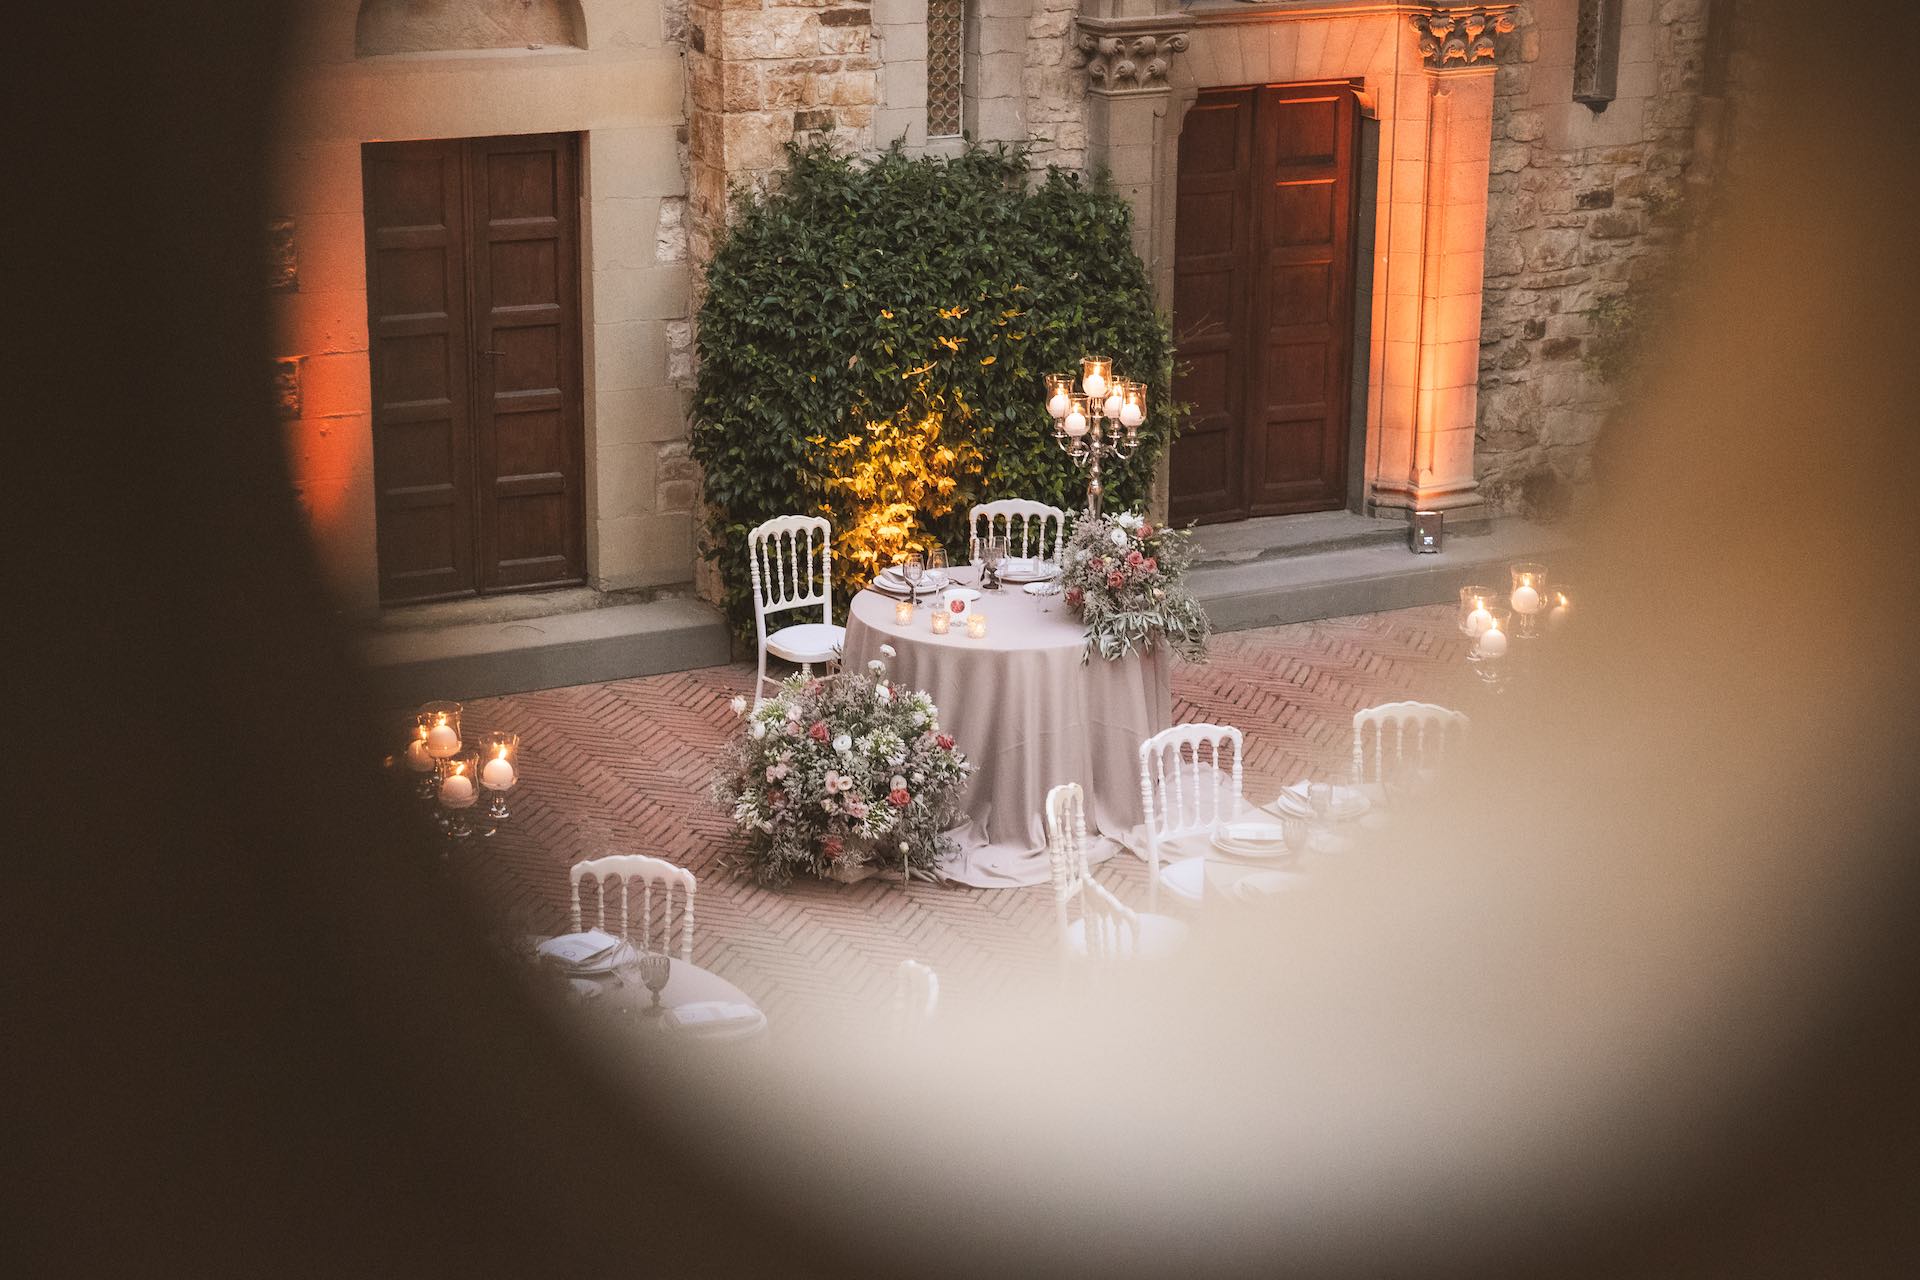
(874, 341)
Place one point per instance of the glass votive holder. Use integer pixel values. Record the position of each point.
(1133, 404)
(1095, 373)
(459, 791)
(1059, 394)
(942, 620)
(442, 722)
(1075, 423)
(499, 770)
(1492, 644)
(419, 763)
(1474, 617)
(1527, 597)
(1559, 606)
(976, 626)
(903, 613)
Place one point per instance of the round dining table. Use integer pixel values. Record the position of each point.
(1029, 712)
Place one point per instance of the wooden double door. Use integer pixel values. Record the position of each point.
(473, 300)
(1263, 300)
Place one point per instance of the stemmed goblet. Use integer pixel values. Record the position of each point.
(911, 569)
(655, 968)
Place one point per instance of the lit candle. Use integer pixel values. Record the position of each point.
(1076, 420)
(456, 789)
(499, 771)
(1525, 599)
(976, 626)
(418, 758)
(1562, 602)
(1133, 406)
(1094, 373)
(1113, 402)
(941, 621)
(1492, 642)
(903, 613)
(1059, 394)
(443, 739)
(1479, 620)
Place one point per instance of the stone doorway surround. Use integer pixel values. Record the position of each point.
(1425, 73)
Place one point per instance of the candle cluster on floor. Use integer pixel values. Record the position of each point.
(451, 776)
(1493, 620)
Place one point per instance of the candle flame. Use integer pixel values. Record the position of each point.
(500, 752)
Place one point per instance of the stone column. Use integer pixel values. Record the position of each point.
(1426, 437)
(1131, 131)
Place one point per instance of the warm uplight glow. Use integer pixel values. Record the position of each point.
(898, 475)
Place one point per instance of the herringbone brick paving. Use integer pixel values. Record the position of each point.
(625, 767)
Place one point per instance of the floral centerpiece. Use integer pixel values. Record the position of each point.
(837, 774)
(1123, 577)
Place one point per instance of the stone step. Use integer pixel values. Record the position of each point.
(1273, 537)
(1306, 582)
(409, 664)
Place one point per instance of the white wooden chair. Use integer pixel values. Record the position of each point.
(1414, 734)
(1032, 529)
(626, 867)
(1186, 789)
(916, 994)
(1107, 929)
(792, 567)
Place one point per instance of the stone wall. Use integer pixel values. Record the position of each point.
(1054, 88)
(1583, 206)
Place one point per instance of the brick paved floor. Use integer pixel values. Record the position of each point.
(625, 767)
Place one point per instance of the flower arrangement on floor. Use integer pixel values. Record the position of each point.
(1123, 577)
(839, 773)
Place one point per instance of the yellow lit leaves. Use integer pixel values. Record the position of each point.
(897, 475)
(951, 344)
(988, 359)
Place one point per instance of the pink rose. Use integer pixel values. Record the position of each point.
(856, 807)
(819, 731)
(1116, 580)
(1075, 595)
(832, 846)
(900, 798)
(1097, 563)
(946, 741)
(1146, 531)
(1134, 557)
(1151, 564)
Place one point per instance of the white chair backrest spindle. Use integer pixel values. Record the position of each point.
(791, 559)
(1418, 734)
(916, 994)
(1110, 929)
(1186, 785)
(1032, 529)
(625, 868)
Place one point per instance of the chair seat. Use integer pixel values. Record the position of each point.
(807, 642)
(1160, 936)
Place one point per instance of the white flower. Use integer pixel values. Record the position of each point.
(883, 693)
(757, 729)
(739, 704)
(899, 783)
(843, 744)
(1118, 537)
(919, 718)
(876, 666)
(918, 777)
(1128, 521)
(903, 846)
(889, 650)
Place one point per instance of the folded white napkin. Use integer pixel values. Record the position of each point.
(711, 1013)
(594, 948)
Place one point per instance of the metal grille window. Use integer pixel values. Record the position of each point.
(944, 58)
(1596, 52)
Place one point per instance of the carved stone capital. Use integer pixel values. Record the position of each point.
(1454, 38)
(1129, 55)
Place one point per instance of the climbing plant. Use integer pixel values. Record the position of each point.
(874, 342)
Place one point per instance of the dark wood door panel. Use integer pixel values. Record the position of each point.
(1263, 285)
(474, 303)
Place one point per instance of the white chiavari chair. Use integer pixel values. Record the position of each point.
(792, 568)
(916, 995)
(1404, 739)
(1106, 928)
(625, 868)
(1187, 789)
(1032, 529)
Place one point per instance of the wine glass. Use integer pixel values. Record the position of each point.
(996, 555)
(911, 569)
(937, 563)
(655, 968)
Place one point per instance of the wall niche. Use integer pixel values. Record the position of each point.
(434, 26)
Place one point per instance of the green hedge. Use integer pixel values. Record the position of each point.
(873, 345)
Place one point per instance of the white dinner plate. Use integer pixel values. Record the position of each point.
(1028, 571)
(1048, 588)
(1251, 852)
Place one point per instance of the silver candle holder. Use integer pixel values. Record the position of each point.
(1100, 422)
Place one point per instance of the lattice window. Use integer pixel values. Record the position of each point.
(945, 55)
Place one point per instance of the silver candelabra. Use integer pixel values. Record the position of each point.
(1098, 422)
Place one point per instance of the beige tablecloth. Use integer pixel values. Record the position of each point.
(1029, 716)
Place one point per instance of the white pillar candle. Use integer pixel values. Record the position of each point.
(1076, 424)
(1130, 415)
(456, 791)
(1492, 643)
(1113, 402)
(442, 741)
(1095, 385)
(498, 774)
(418, 759)
(1558, 614)
(1478, 621)
(1057, 406)
(1525, 599)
